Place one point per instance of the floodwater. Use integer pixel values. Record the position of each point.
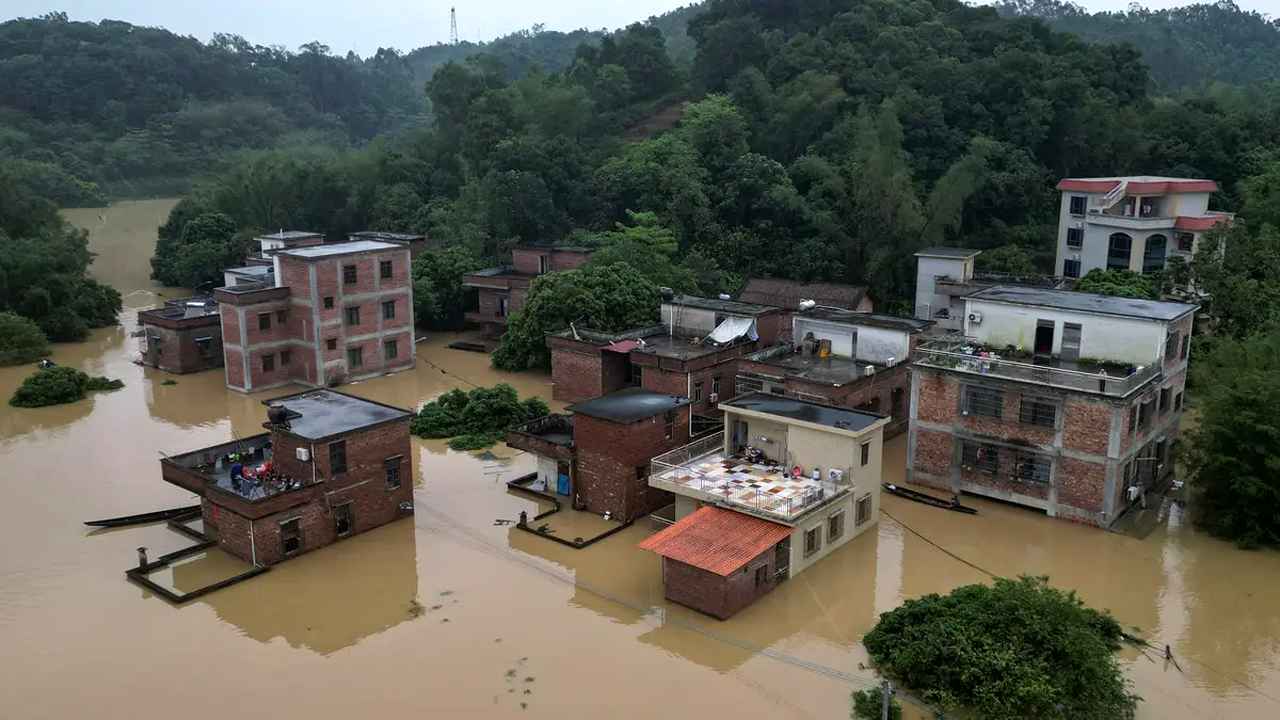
(448, 614)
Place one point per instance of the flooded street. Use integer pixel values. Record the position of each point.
(446, 614)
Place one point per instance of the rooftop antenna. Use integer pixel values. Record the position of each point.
(453, 26)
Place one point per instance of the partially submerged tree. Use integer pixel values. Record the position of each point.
(477, 418)
(439, 299)
(1011, 650)
(21, 340)
(1233, 455)
(607, 297)
(58, 385)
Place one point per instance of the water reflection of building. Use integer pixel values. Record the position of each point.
(328, 601)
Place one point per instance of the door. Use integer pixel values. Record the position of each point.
(343, 520)
(1044, 337)
(1071, 341)
(739, 435)
(782, 559)
(562, 478)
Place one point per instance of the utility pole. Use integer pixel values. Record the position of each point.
(886, 697)
(453, 26)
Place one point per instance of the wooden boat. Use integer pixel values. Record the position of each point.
(144, 518)
(927, 499)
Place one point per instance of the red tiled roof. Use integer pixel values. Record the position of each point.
(1090, 186)
(1199, 222)
(1139, 187)
(716, 540)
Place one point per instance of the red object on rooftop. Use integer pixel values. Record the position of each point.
(623, 346)
(716, 540)
(1138, 187)
(1199, 222)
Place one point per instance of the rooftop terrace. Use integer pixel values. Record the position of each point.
(628, 405)
(804, 411)
(959, 354)
(1085, 302)
(258, 479)
(319, 414)
(334, 249)
(832, 370)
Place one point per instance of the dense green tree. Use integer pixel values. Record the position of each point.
(648, 247)
(1011, 259)
(21, 340)
(1120, 283)
(206, 246)
(476, 418)
(1233, 453)
(1014, 649)
(605, 297)
(439, 298)
(58, 385)
(1238, 268)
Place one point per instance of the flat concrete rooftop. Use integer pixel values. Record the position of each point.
(680, 347)
(320, 414)
(346, 248)
(1085, 302)
(833, 370)
(790, 408)
(628, 405)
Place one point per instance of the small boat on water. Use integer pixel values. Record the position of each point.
(150, 517)
(927, 499)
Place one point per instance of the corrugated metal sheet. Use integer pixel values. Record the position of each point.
(716, 540)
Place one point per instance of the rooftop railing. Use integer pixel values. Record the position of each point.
(966, 355)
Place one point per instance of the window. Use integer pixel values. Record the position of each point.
(1153, 254)
(981, 457)
(1118, 248)
(1078, 204)
(291, 536)
(862, 511)
(384, 269)
(983, 401)
(268, 363)
(1029, 467)
(543, 265)
(391, 466)
(504, 305)
(389, 310)
(286, 356)
(635, 374)
(812, 541)
(715, 387)
(1186, 241)
(697, 392)
(355, 357)
(866, 453)
(1164, 400)
(281, 316)
(1133, 419)
(264, 321)
(342, 519)
(835, 526)
(1171, 345)
(1144, 415)
(1186, 347)
(348, 274)
(204, 345)
(390, 349)
(353, 316)
(331, 344)
(1071, 268)
(328, 302)
(1037, 412)
(1075, 238)
(669, 425)
(1177, 401)
(762, 575)
(337, 457)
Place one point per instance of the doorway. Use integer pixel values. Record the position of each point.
(1044, 337)
(343, 520)
(1071, 341)
(739, 435)
(562, 478)
(782, 560)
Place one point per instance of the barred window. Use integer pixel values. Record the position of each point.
(1037, 412)
(984, 401)
(980, 456)
(1029, 467)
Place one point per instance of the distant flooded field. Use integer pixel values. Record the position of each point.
(448, 614)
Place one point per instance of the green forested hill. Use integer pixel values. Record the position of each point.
(1185, 47)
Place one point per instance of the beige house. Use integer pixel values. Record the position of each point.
(811, 471)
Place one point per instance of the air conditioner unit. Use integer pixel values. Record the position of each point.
(975, 318)
(868, 371)
(303, 454)
(714, 398)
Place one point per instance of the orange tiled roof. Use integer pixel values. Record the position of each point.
(716, 540)
(1200, 222)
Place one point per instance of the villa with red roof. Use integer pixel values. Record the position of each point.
(1133, 223)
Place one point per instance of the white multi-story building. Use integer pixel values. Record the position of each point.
(1131, 223)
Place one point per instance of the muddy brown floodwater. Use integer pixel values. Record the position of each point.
(446, 614)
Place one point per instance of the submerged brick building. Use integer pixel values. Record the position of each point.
(1063, 401)
(183, 336)
(328, 314)
(331, 465)
(501, 291)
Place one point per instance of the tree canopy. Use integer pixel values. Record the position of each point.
(476, 418)
(1014, 649)
(1120, 283)
(21, 340)
(58, 385)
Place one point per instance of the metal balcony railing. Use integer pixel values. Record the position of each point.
(966, 355)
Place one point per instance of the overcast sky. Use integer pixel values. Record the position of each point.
(405, 24)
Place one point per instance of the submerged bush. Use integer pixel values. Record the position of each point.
(866, 706)
(475, 419)
(21, 340)
(1015, 649)
(58, 385)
